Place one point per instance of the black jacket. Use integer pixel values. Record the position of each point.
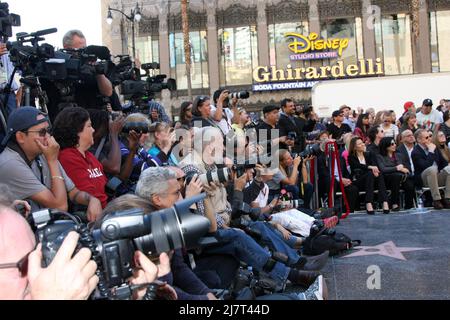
(297, 125)
(422, 161)
(358, 169)
(404, 152)
(388, 165)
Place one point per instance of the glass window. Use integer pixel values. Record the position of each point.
(443, 38)
(279, 50)
(393, 36)
(147, 49)
(238, 55)
(199, 60)
(342, 28)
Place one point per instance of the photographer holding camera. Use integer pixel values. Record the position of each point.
(71, 274)
(29, 165)
(89, 93)
(293, 127)
(207, 153)
(225, 112)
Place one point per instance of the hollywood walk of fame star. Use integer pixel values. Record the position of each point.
(388, 249)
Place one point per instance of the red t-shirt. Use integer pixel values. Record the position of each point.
(86, 173)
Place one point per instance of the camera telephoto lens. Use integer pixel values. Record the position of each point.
(218, 176)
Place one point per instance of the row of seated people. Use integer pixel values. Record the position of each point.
(421, 160)
(51, 168)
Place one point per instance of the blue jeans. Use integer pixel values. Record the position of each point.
(243, 247)
(273, 239)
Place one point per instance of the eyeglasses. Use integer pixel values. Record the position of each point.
(42, 133)
(428, 137)
(22, 265)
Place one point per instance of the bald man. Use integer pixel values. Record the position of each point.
(21, 275)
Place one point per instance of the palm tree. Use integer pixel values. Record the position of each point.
(187, 45)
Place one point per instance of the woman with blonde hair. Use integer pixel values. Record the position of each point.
(388, 126)
(440, 141)
(379, 118)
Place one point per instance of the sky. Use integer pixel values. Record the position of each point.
(64, 15)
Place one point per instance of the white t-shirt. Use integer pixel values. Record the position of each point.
(224, 124)
(391, 132)
(429, 121)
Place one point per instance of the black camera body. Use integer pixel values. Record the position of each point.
(292, 135)
(7, 20)
(139, 127)
(114, 240)
(258, 285)
(311, 150)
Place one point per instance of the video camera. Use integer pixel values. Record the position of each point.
(133, 89)
(122, 71)
(114, 240)
(7, 21)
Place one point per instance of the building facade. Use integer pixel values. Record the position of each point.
(234, 41)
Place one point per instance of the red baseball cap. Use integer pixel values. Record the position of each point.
(408, 105)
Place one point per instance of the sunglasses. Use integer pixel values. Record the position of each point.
(42, 133)
(22, 265)
(393, 143)
(202, 99)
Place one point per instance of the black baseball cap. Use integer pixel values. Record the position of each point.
(337, 113)
(427, 102)
(22, 119)
(270, 108)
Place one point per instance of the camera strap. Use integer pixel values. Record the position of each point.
(331, 149)
(100, 147)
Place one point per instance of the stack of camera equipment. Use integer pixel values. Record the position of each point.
(114, 240)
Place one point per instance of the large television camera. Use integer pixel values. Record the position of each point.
(145, 89)
(7, 21)
(117, 236)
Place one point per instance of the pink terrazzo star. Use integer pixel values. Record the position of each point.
(388, 249)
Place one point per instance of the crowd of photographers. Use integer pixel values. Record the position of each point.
(99, 161)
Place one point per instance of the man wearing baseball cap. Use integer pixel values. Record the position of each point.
(29, 165)
(337, 128)
(408, 106)
(268, 128)
(428, 118)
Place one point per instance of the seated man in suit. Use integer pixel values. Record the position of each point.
(432, 168)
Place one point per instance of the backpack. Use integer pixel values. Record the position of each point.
(322, 239)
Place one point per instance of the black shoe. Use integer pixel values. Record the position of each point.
(316, 263)
(303, 278)
(386, 211)
(370, 212)
(396, 209)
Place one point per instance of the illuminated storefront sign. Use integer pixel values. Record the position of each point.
(272, 78)
(312, 48)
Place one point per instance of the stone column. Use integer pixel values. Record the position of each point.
(263, 35)
(213, 47)
(314, 19)
(368, 27)
(164, 51)
(421, 44)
